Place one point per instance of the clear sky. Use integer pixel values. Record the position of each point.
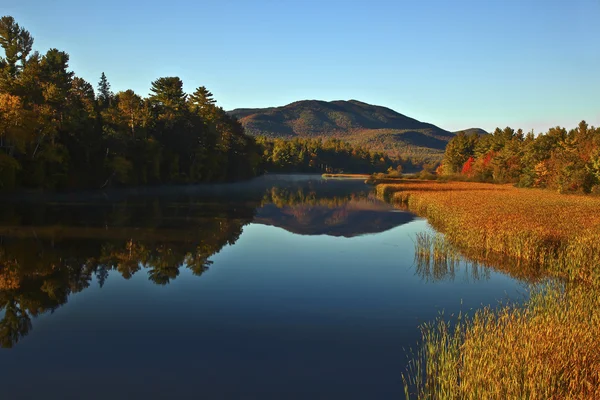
(531, 64)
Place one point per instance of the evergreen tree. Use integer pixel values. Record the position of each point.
(17, 44)
(168, 97)
(201, 99)
(130, 104)
(458, 151)
(105, 96)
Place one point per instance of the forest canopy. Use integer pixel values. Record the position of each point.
(331, 155)
(57, 132)
(566, 161)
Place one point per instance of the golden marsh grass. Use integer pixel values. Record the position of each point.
(560, 233)
(546, 348)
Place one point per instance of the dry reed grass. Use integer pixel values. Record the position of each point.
(560, 233)
(546, 348)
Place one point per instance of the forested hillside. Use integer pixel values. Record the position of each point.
(331, 155)
(374, 127)
(57, 132)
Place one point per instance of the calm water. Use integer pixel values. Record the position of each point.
(282, 288)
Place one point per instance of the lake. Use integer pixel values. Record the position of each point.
(286, 287)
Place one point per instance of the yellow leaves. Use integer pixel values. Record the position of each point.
(15, 122)
(53, 94)
(11, 109)
(9, 278)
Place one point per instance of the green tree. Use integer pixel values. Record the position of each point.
(168, 98)
(56, 132)
(17, 44)
(458, 151)
(105, 96)
(130, 105)
(201, 100)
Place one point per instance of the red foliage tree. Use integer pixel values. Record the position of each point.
(488, 158)
(467, 168)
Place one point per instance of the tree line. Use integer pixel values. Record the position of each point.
(57, 132)
(566, 161)
(330, 155)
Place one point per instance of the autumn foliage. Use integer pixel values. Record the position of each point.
(566, 161)
(467, 168)
(57, 132)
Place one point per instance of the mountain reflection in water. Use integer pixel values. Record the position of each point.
(350, 216)
(53, 249)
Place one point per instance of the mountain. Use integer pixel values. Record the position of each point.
(376, 127)
(473, 131)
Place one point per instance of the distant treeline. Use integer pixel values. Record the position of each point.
(567, 161)
(331, 155)
(56, 132)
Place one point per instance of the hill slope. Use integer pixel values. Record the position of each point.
(377, 127)
(473, 131)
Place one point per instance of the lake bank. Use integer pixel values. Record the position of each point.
(532, 225)
(346, 176)
(542, 349)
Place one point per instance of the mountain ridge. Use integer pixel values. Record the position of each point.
(376, 127)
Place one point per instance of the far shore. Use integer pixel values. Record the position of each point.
(117, 193)
(347, 176)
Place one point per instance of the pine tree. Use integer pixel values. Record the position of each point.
(105, 96)
(130, 104)
(201, 98)
(16, 42)
(168, 96)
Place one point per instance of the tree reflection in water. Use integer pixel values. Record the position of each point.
(42, 264)
(50, 251)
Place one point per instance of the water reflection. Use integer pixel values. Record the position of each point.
(437, 260)
(448, 271)
(52, 250)
(350, 215)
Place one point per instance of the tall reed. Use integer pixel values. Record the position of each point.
(541, 229)
(546, 348)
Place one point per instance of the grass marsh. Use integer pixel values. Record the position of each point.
(556, 232)
(545, 348)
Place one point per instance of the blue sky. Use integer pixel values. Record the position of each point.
(531, 64)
